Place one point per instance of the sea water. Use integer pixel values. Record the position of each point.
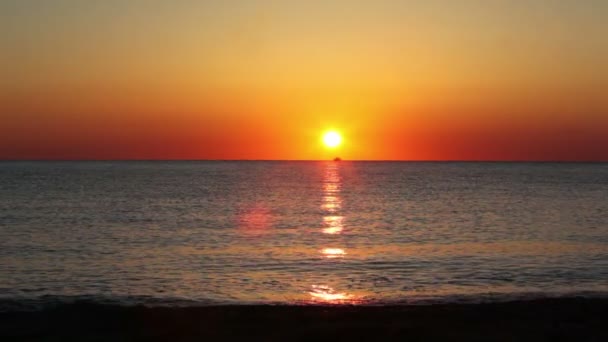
(251, 232)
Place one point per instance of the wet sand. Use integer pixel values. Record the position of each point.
(574, 319)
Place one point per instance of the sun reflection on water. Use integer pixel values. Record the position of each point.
(332, 203)
(333, 224)
(326, 294)
(331, 185)
(333, 252)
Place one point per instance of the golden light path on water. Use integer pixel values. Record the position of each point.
(333, 224)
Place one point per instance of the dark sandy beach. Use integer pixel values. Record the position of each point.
(574, 319)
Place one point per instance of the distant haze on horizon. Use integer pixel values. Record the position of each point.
(401, 80)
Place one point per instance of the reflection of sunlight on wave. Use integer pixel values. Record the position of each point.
(326, 294)
(331, 253)
(332, 174)
(330, 188)
(332, 230)
(331, 203)
(333, 224)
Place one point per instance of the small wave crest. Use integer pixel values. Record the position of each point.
(50, 302)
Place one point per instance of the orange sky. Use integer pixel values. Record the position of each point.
(427, 80)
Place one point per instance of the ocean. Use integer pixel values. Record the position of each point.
(182, 233)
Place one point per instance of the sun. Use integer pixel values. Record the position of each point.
(332, 139)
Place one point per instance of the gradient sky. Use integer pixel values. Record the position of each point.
(411, 80)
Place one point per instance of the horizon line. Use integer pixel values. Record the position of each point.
(313, 160)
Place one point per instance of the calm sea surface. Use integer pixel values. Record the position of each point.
(180, 233)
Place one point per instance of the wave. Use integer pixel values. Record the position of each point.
(49, 302)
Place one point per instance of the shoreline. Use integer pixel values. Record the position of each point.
(581, 319)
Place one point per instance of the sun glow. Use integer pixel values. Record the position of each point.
(332, 139)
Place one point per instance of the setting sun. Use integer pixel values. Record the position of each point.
(332, 139)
